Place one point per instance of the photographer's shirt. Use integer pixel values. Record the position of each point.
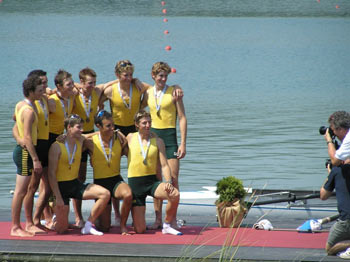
(343, 152)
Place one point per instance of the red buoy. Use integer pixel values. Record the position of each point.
(163, 3)
(164, 11)
(168, 48)
(166, 32)
(173, 70)
(165, 20)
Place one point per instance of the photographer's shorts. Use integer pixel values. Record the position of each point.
(23, 161)
(142, 187)
(339, 231)
(170, 140)
(110, 183)
(72, 189)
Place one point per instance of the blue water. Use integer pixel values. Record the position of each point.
(257, 85)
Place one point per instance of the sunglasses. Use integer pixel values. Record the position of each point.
(101, 113)
(74, 116)
(125, 64)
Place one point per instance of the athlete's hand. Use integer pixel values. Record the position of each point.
(178, 93)
(169, 188)
(37, 167)
(181, 151)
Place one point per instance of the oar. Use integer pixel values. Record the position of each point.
(291, 198)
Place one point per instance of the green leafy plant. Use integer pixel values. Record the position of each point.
(229, 189)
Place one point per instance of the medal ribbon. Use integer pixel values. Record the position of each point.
(43, 107)
(144, 153)
(161, 96)
(109, 157)
(70, 158)
(86, 108)
(64, 108)
(130, 96)
(31, 105)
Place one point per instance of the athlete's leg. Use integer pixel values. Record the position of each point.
(22, 183)
(123, 192)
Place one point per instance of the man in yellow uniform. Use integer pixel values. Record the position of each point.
(26, 158)
(145, 150)
(105, 153)
(165, 108)
(64, 162)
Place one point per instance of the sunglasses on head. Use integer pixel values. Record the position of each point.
(101, 113)
(124, 64)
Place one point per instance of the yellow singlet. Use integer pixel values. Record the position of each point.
(20, 124)
(123, 116)
(43, 119)
(136, 165)
(79, 109)
(99, 161)
(64, 171)
(166, 117)
(56, 125)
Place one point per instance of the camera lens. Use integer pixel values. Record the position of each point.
(323, 130)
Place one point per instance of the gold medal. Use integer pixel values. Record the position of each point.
(87, 119)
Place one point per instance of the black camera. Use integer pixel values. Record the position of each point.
(329, 163)
(323, 130)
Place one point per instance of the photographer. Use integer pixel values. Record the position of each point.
(339, 123)
(338, 242)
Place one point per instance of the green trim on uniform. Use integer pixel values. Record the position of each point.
(23, 161)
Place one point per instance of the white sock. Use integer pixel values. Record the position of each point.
(167, 229)
(89, 230)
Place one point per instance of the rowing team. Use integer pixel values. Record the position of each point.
(58, 162)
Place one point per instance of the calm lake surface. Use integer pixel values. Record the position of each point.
(260, 77)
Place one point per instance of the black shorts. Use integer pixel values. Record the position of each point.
(126, 129)
(72, 189)
(110, 183)
(42, 150)
(52, 138)
(142, 187)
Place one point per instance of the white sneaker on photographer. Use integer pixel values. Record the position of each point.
(345, 254)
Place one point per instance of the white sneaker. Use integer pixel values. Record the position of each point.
(91, 231)
(345, 254)
(167, 229)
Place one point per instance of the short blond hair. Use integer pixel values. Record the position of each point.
(160, 66)
(124, 66)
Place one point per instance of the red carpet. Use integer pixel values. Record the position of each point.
(192, 236)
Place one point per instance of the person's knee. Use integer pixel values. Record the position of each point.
(60, 228)
(104, 194)
(174, 196)
(140, 229)
(127, 196)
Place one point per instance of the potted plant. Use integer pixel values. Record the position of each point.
(230, 205)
